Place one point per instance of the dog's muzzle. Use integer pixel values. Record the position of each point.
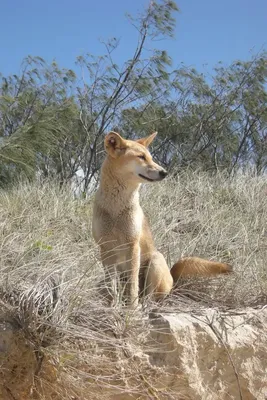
(161, 175)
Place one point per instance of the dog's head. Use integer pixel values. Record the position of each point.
(133, 159)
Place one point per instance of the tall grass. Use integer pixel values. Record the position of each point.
(50, 276)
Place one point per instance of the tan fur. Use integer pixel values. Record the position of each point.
(195, 266)
(121, 229)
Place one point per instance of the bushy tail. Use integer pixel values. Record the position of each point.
(194, 266)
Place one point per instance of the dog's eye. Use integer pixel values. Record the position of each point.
(142, 157)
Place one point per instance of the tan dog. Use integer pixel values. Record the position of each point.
(122, 230)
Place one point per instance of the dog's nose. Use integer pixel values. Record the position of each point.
(163, 173)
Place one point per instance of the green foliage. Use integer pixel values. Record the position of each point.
(51, 125)
(220, 123)
(35, 111)
(42, 246)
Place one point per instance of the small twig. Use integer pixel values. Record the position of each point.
(10, 393)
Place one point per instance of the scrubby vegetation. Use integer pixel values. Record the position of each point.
(50, 276)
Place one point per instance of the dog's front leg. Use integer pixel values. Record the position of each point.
(109, 261)
(132, 268)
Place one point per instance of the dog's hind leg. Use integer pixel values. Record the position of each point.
(157, 278)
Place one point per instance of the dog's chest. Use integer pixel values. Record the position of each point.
(122, 227)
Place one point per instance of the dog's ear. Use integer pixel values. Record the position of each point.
(147, 140)
(114, 144)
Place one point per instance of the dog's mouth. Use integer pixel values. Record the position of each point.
(146, 178)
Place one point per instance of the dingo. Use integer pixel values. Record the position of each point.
(122, 231)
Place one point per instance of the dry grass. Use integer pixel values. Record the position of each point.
(50, 273)
(219, 219)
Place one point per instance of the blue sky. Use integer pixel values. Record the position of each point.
(207, 31)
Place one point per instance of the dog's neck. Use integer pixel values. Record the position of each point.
(115, 189)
